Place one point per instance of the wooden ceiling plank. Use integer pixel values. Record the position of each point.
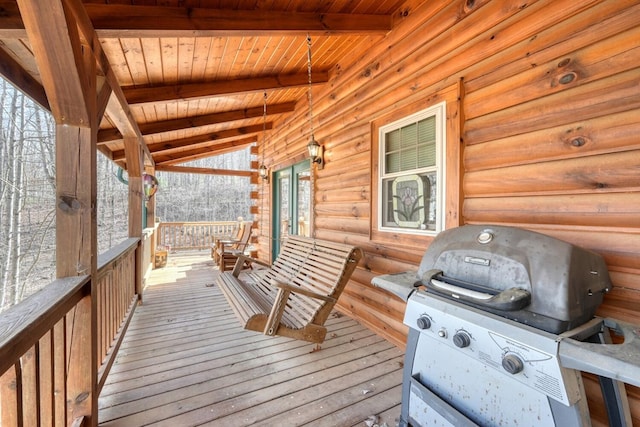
(169, 52)
(276, 50)
(216, 56)
(229, 52)
(113, 50)
(183, 92)
(242, 59)
(201, 51)
(109, 135)
(186, 47)
(136, 61)
(204, 171)
(152, 50)
(174, 145)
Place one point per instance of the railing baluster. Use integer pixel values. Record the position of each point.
(11, 396)
(45, 366)
(58, 338)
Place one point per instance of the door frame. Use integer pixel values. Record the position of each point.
(292, 171)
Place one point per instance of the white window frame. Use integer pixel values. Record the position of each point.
(439, 111)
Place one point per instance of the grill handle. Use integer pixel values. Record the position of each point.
(508, 300)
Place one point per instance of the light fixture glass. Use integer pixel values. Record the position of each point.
(314, 150)
(150, 185)
(263, 171)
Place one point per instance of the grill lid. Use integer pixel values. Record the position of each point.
(525, 276)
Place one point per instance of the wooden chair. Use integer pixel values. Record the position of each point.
(295, 296)
(234, 236)
(227, 251)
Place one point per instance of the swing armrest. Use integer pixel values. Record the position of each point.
(280, 303)
(237, 268)
(302, 291)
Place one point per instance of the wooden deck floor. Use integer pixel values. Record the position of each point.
(186, 361)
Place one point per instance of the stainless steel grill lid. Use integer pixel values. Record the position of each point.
(518, 274)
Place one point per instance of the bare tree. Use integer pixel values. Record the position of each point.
(27, 196)
(14, 200)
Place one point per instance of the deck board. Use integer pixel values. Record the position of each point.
(186, 361)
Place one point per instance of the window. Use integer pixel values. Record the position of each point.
(410, 182)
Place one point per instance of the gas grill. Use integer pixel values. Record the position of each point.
(502, 321)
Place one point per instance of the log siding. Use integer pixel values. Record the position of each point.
(548, 125)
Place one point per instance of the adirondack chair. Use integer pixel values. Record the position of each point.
(233, 236)
(296, 294)
(227, 251)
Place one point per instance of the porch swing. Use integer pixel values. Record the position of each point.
(294, 296)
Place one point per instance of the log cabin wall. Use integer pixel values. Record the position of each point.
(549, 125)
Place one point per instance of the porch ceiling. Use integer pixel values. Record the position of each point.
(193, 72)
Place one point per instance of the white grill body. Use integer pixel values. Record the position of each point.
(455, 386)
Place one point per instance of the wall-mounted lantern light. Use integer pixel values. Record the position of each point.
(316, 152)
(263, 172)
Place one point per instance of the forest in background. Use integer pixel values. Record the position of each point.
(27, 196)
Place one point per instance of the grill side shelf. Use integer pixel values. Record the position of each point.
(400, 284)
(617, 361)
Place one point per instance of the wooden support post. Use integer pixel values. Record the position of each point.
(133, 152)
(151, 220)
(151, 203)
(68, 69)
(76, 254)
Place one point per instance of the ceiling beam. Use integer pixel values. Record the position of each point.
(117, 20)
(112, 135)
(187, 91)
(204, 171)
(211, 137)
(19, 77)
(201, 153)
(126, 21)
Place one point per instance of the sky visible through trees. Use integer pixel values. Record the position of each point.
(27, 196)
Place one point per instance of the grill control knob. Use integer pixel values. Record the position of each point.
(462, 339)
(512, 364)
(423, 322)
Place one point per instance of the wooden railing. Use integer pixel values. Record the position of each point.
(52, 342)
(116, 300)
(192, 235)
